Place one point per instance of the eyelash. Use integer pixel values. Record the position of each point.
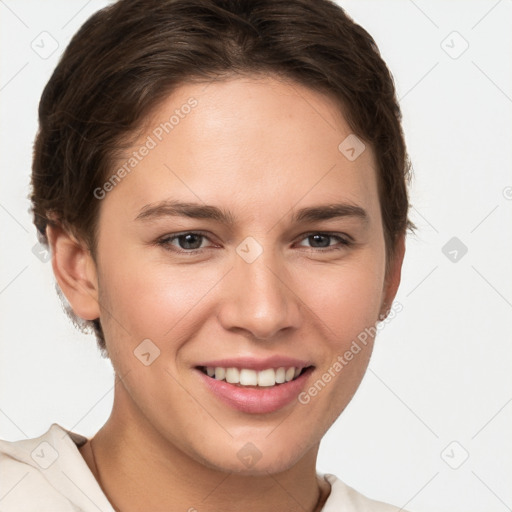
(165, 242)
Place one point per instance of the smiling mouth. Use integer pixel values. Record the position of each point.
(246, 377)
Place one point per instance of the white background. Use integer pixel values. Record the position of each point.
(441, 369)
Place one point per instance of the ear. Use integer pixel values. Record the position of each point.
(393, 276)
(75, 271)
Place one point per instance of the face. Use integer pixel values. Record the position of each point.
(241, 244)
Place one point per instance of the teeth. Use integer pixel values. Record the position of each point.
(232, 375)
(280, 375)
(266, 378)
(290, 372)
(220, 373)
(247, 377)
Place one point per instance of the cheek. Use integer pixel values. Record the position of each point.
(345, 298)
(154, 299)
(346, 303)
(150, 298)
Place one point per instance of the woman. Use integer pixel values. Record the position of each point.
(223, 187)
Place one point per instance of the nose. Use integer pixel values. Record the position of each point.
(258, 298)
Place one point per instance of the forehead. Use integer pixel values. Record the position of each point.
(255, 141)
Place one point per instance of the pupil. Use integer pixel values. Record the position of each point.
(190, 241)
(319, 238)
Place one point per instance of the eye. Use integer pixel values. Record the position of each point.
(320, 240)
(191, 242)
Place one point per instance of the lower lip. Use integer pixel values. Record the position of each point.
(256, 400)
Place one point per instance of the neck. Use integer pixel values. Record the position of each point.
(138, 469)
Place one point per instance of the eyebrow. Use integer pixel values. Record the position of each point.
(171, 208)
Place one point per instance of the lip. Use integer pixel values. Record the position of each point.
(255, 399)
(252, 363)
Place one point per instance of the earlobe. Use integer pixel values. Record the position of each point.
(75, 271)
(392, 281)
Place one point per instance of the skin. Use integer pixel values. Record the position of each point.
(261, 148)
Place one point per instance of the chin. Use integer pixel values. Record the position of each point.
(260, 457)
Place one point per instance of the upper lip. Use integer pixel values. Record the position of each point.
(257, 364)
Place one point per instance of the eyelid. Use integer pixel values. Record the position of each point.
(343, 236)
(344, 241)
(166, 239)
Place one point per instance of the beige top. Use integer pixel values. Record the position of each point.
(49, 474)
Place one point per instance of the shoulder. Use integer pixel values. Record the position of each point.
(344, 497)
(48, 473)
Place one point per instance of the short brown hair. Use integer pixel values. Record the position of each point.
(128, 57)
